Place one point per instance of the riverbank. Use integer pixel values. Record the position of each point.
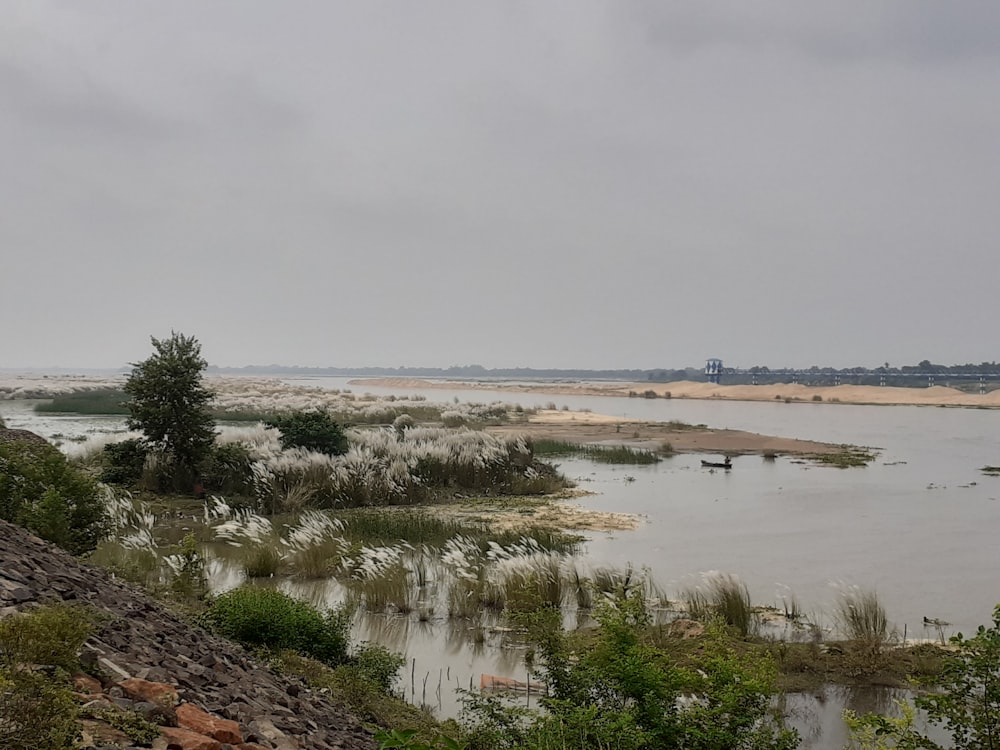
(584, 427)
(789, 392)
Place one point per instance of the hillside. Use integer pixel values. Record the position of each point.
(139, 638)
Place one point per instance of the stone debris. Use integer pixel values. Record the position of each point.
(206, 693)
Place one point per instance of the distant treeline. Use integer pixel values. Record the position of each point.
(465, 372)
(920, 374)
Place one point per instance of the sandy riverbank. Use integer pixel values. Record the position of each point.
(844, 394)
(584, 427)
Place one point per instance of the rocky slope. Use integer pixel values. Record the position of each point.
(215, 694)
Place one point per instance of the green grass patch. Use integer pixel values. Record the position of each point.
(848, 456)
(607, 454)
(418, 527)
(97, 401)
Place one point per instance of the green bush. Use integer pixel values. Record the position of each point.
(625, 693)
(50, 636)
(967, 704)
(42, 491)
(378, 664)
(37, 708)
(36, 713)
(227, 470)
(314, 430)
(123, 462)
(265, 618)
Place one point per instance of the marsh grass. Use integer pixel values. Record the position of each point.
(421, 528)
(724, 598)
(848, 456)
(580, 588)
(731, 601)
(608, 454)
(97, 401)
(261, 561)
(390, 591)
(863, 619)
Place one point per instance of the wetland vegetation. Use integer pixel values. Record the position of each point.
(623, 660)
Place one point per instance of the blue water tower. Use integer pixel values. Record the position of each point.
(713, 370)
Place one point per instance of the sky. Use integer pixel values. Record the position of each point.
(526, 183)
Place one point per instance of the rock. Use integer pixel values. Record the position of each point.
(137, 636)
(154, 692)
(160, 714)
(83, 683)
(184, 739)
(191, 717)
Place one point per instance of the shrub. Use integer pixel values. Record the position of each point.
(264, 618)
(42, 491)
(228, 470)
(37, 709)
(123, 462)
(378, 664)
(50, 636)
(314, 430)
(36, 713)
(622, 692)
(967, 705)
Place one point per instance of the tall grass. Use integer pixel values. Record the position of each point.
(724, 598)
(421, 528)
(97, 401)
(609, 454)
(863, 618)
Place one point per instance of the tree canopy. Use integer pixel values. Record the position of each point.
(169, 403)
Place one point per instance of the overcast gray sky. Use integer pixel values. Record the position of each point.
(548, 184)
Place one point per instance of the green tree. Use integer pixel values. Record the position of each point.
(42, 491)
(967, 703)
(314, 430)
(169, 403)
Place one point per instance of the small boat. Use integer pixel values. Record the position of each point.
(727, 464)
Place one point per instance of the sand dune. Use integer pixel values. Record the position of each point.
(845, 394)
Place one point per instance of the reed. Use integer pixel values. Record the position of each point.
(724, 598)
(97, 401)
(261, 561)
(388, 592)
(731, 603)
(863, 618)
(580, 588)
(609, 454)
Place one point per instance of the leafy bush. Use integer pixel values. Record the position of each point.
(123, 462)
(623, 692)
(37, 709)
(50, 636)
(378, 664)
(36, 713)
(967, 704)
(314, 430)
(227, 470)
(41, 491)
(265, 618)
